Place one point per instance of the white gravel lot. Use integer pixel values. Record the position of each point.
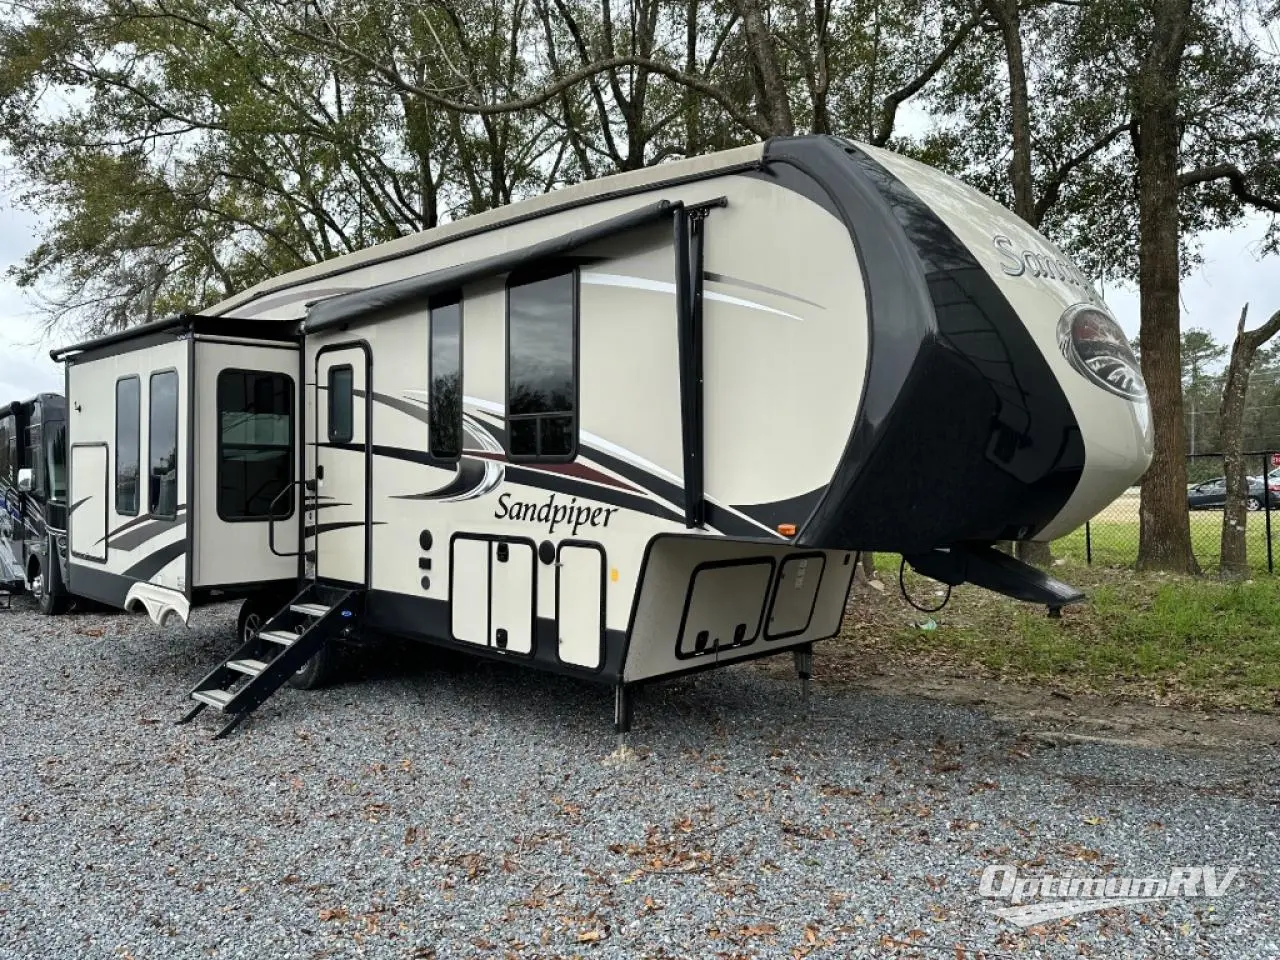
(444, 808)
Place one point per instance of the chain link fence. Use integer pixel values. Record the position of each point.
(1111, 538)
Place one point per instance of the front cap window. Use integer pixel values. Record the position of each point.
(1096, 347)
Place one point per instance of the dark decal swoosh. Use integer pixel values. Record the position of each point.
(317, 529)
(792, 510)
(758, 287)
(560, 477)
(557, 483)
(469, 477)
(140, 535)
(717, 517)
(414, 410)
(144, 518)
(395, 453)
(72, 509)
(580, 470)
(149, 566)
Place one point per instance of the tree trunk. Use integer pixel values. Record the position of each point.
(1164, 538)
(690, 99)
(868, 561)
(775, 106)
(1234, 557)
(1008, 16)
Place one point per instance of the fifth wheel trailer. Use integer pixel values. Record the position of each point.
(642, 426)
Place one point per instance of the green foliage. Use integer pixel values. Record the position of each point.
(179, 151)
(1083, 71)
(1201, 640)
(1114, 543)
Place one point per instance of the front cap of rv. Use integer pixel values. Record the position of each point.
(1084, 347)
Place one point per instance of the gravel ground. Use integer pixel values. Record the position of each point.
(455, 809)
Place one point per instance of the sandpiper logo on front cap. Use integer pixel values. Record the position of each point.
(1040, 264)
(1096, 347)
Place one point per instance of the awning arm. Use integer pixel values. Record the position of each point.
(690, 241)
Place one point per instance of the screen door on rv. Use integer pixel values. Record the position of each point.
(339, 521)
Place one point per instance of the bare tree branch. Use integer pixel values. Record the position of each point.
(889, 106)
(1238, 179)
(335, 44)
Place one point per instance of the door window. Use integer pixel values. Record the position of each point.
(255, 444)
(341, 404)
(162, 446)
(128, 413)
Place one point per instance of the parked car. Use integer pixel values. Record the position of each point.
(1212, 494)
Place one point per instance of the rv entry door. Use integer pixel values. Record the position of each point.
(339, 521)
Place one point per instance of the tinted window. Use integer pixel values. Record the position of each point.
(341, 420)
(162, 445)
(56, 442)
(35, 459)
(255, 444)
(6, 425)
(445, 409)
(128, 414)
(541, 367)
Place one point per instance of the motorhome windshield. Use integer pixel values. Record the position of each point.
(55, 443)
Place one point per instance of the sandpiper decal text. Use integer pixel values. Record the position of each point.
(554, 513)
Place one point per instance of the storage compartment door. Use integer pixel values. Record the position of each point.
(511, 600)
(90, 498)
(794, 596)
(469, 590)
(724, 607)
(580, 604)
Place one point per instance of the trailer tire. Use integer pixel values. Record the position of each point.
(320, 671)
(255, 611)
(47, 589)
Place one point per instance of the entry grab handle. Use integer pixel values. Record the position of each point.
(272, 518)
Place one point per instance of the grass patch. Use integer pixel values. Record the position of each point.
(1148, 637)
(1114, 543)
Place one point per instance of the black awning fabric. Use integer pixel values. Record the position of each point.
(352, 307)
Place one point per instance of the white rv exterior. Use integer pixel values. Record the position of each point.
(642, 426)
(148, 528)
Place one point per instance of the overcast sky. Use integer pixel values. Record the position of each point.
(1233, 273)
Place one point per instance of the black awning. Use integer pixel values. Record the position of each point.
(350, 307)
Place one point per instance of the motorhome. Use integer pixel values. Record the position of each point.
(629, 429)
(33, 483)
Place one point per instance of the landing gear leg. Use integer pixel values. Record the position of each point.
(804, 670)
(622, 711)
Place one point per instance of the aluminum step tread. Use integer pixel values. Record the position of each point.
(214, 698)
(286, 638)
(310, 609)
(248, 667)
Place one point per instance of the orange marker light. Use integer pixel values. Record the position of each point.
(613, 574)
(787, 529)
